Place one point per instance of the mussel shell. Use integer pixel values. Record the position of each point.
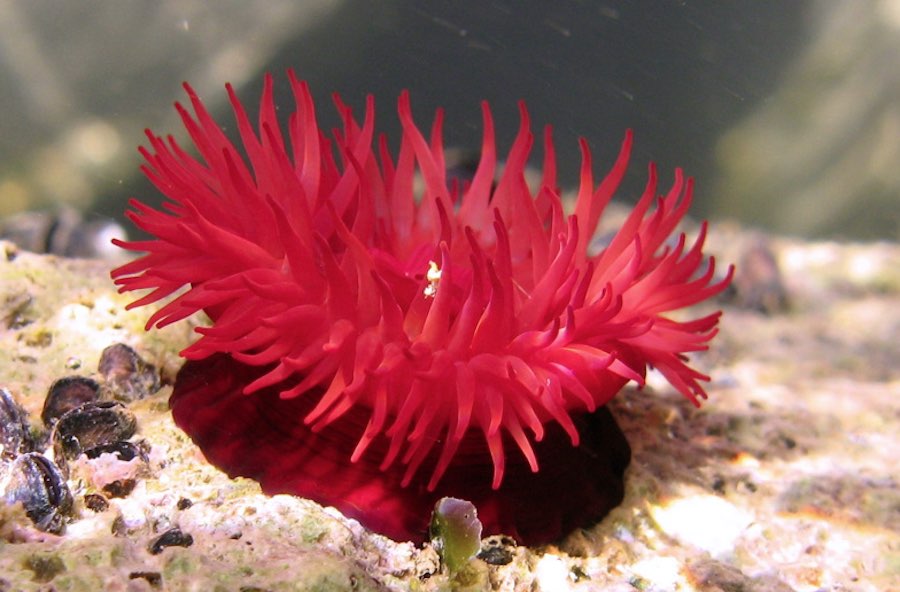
(66, 394)
(40, 486)
(126, 374)
(64, 231)
(125, 451)
(15, 436)
(91, 425)
(174, 537)
(497, 549)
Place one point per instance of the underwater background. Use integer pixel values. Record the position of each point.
(787, 113)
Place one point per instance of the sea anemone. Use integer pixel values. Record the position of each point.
(376, 343)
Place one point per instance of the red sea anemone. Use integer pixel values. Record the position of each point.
(375, 346)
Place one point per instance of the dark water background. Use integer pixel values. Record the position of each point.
(715, 87)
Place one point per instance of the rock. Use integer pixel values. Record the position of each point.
(797, 439)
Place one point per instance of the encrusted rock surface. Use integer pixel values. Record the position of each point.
(785, 479)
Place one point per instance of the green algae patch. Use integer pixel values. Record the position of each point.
(455, 532)
(45, 566)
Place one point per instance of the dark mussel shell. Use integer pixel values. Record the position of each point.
(66, 394)
(125, 451)
(127, 375)
(91, 425)
(40, 486)
(15, 436)
(64, 231)
(174, 537)
(497, 549)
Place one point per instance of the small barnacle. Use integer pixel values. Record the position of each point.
(17, 310)
(96, 502)
(112, 467)
(760, 284)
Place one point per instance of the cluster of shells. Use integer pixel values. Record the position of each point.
(85, 445)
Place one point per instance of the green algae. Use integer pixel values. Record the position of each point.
(455, 532)
(45, 566)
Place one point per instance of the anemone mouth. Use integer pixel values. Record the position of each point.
(259, 437)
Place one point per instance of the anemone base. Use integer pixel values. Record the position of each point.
(263, 437)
